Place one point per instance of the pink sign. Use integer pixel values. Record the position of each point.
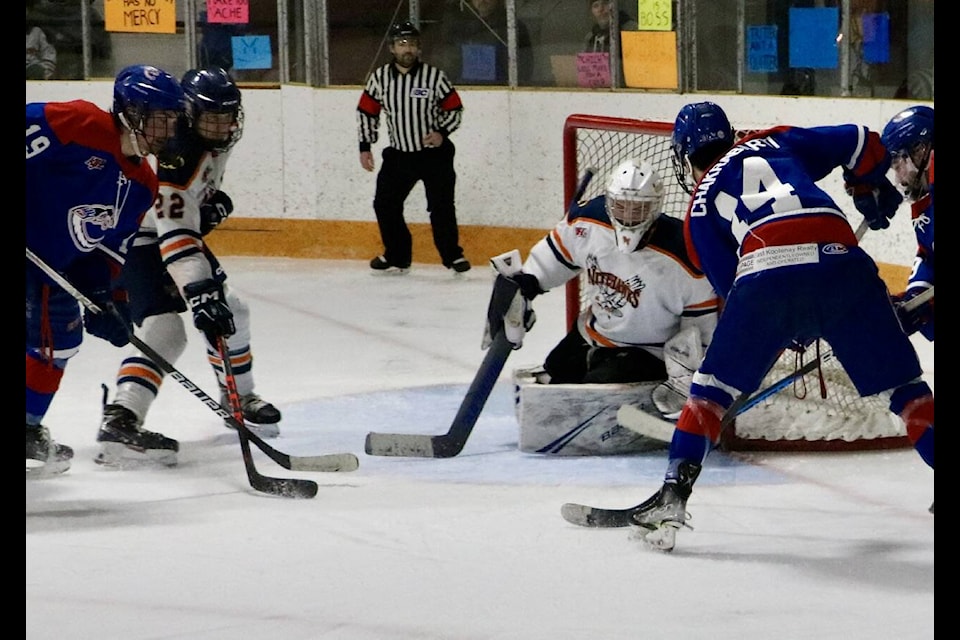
(228, 11)
(593, 69)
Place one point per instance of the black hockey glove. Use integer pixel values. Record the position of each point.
(877, 203)
(214, 211)
(211, 314)
(113, 323)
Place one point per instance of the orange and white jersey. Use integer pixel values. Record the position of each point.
(638, 299)
(174, 221)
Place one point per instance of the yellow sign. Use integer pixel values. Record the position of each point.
(140, 16)
(655, 15)
(650, 59)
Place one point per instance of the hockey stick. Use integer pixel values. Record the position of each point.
(452, 442)
(639, 421)
(328, 462)
(286, 487)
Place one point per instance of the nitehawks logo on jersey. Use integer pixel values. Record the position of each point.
(612, 293)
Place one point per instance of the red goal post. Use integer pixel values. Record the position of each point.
(797, 418)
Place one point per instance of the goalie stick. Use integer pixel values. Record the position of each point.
(598, 517)
(324, 463)
(451, 443)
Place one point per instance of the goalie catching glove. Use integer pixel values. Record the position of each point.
(509, 309)
(211, 314)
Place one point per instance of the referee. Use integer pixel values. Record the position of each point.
(422, 109)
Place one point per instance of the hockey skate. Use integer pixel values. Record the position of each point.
(382, 265)
(659, 518)
(459, 266)
(258, 414)
(124, 443)
(45, 457)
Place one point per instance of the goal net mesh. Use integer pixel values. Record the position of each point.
(820, 411)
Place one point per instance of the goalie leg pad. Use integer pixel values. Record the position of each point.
(578, 419)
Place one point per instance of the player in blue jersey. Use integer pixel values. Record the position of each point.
(781, 253)
(88, 186)
(909, 139)
(170, 266)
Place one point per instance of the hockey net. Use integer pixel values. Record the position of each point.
(820, 411)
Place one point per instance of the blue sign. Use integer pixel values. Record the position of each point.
(876, 38)
(762, 49)
(251, 52)
(813, 38)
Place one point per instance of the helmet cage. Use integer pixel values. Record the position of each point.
(908, 137)
(144, 99)
(633, 201)
(215, 108)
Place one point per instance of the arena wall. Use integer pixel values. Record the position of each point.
(299, 190)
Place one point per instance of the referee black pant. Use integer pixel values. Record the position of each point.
(399, 172)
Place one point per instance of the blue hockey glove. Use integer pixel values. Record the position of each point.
(877, 203)
(211, 314)
(918, 319)
(214, 211)
(113, 324)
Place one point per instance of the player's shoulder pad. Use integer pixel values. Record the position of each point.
(667, 237)
(593, 209)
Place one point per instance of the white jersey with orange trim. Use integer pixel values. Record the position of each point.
(640, 299)
(174, 221)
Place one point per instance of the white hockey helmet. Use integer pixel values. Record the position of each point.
(634, 201)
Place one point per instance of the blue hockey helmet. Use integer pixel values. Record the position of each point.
(698, 126)
(907, 129)
(142, 87)
(213, 91)
(908, 138)
(139, 90)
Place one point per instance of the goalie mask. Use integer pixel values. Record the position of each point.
(634, 201)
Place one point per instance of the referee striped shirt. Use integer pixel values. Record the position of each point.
(415, 103)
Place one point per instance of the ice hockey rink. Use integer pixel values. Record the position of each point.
(788, 546)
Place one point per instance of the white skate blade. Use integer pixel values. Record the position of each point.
(37, 469)
(663, 538)
(265, 431)
(119, 456)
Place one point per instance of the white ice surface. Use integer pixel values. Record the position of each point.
(786, 546)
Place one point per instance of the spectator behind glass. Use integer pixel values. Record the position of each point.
(41, 55)
(61, 21)
(475, 42)
(598, 38)
(216, 44)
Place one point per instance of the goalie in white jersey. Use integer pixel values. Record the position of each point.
(651, 313)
